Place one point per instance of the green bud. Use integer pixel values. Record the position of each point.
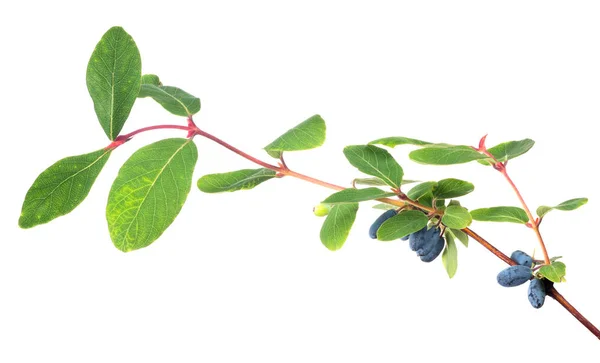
(322, 210)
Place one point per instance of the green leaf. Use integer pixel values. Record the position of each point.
(421, 189)
(500, 214)
(456, 217)
(567, 205)
(384, 206)
(402, 224)
(374, 182)
(462, 236)
(452, 188)
(306, 135)
(234, 180)
(337, 225)
(352, 195)
(450, 255)
(510, 150)
(445, 155)
(151, 79)
(149, 192)
(375, 161)
(399, 140)
(172, 99)
(113, 78)
(554, 272)
(61, 188)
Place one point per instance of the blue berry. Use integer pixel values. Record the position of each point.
(437, 247)
(521, 258)
(514, 275)
(379, 221)
(537, 293)
(405, 238)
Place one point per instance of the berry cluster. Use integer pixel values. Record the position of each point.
(519, 274)
(427, 243)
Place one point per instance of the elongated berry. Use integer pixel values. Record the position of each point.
(379, 221)
(427, 241)
(436, 249)
(521, 258)
(536, 293)
(514, 275)
(405, 238)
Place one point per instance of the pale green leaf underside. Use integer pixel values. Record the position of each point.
(452, 188)
(450, 255)
(461, 236)
(511, 149)
(149, 192)
(374, 182)
(337, 225)
(376, 162)
(421, 189)
(500, 214)
(61, 188)
(352, 195)
(567, 205)
(172, 99)
(113, 79)
(399, 140)
(235, 180)
(456, 217)
(384, 206)
(307, 135)
(445, 155)
(403, 224)
(554, 272)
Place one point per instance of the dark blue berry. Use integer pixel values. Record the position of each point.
(514, 275)
(437, 247)
(537, 293)
(521, 258)
(379, 221)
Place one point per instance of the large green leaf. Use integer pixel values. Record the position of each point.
(234, 180)
(375, 161)
(172, 99)
(61, 188)
(306, 135)
(554, 272)
(445, 155)
(337, 225)
(500, 214)
(511, 149)
(113, 79)
(456, 217)
(399, 140)
(402, 224)
(452, 188)
(149, 192)
(450, 255)
(352, 195)
(567, 205)
(421, 189)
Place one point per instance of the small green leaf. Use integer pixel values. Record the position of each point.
(462, 236)
(235, 180)
(149, 192)
(151, 79)
(375, 161)
(373, 182)
(456, 217)
(510, 150)
(500, 214)
(452, 188)
(567, 205)
(113, 78)
(352, 195)
(402, 224)
(426, 199)
(172, 99)
(399, 140)
(420, 190)
(445, 155)
(384, 206)
(61, 188)
(554, 272)
(337, 225)
(306, 135)
(450, 255)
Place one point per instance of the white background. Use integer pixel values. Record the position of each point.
(243, 276)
